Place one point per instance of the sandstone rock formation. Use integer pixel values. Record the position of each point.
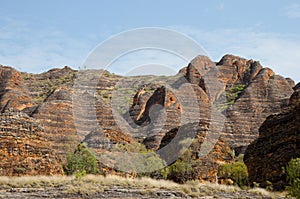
(265, 95)
(55, 114)
(13, 93)
(227, 100)
(245, 91)
(40, 86)
(277, 144)
(25, 148)
(197, 69)
(194, 144)
(252, 93)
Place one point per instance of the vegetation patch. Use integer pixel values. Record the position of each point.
(293, 172)
(230, 96)
(236, 171)
(81, 162)
(140, 159)
(42, 86)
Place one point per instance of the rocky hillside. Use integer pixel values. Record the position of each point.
(277, 144)
(25, 148)
(221, 102)
(13, 92)
(252, 93)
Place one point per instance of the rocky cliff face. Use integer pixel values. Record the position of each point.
(13, 93)
(252, 93)
(193, 143)
(244, 91)
(265, 95)
(25, 148)
(166, 110)
(55, 114)
(277, 144)
(227, 100)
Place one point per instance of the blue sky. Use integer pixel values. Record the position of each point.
(38, 35)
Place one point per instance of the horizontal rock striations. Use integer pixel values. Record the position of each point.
(13, 92)
(223, 103)
(252, 93)
(25, 148)
(277, 144)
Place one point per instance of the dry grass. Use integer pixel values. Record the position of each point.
(220, 187)
(34, 181)
(260, 191)
(91, 184)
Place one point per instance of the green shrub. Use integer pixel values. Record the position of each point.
(132, 147)
(180, 172)
(152, 163)
(185, 168)
(236, 171)
(139, 161)
(229, 97)
(238, 88)
(82, 161)
(293, 172)
(80, 175)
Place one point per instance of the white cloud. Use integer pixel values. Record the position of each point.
(279, 52)
(148, 61)
(33, 50)
(37, 51)
(292, 11)
(145, 46)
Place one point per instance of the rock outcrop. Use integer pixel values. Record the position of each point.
(277, 144)
(252, 93)
(227, 101)
(40, 86)
(196, 144)
(197, 69)
(244, 91)
(56, 117)
(25, 148)
(266, 94)
(13, 94)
